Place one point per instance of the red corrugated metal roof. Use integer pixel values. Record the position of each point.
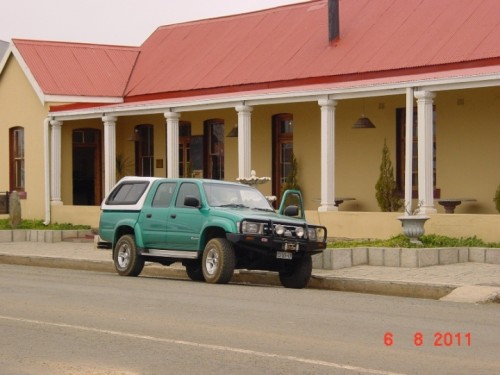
(291, 43)
(274, 48)
(78, 69)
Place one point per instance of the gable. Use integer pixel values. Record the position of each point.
(77, 70)
(19, 103)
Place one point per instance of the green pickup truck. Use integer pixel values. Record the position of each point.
(212, 227)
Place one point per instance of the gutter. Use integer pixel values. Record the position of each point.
(46, 163)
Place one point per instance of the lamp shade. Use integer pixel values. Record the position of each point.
(363, 123)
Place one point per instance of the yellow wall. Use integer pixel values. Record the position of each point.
(19, 106)
(468, 146)
(383, 225)
(467, 137)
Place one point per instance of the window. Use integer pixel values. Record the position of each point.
(185, 168)
(127, 193)
(16, 156)
(401, 151)
(282, 150)
(144, 151)
(214, 149)
(164, 194)
(187, 189)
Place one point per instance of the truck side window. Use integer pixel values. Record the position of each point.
(187, 189)
(164, 194)
(127, 193)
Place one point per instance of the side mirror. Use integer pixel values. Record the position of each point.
(190, 201)
(291, 211)
(292, 198)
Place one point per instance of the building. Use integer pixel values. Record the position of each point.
(293, 80)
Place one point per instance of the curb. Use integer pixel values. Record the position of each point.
(388, 288)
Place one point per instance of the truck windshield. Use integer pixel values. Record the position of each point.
(236, 196)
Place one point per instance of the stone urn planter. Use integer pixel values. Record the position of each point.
(413, 227)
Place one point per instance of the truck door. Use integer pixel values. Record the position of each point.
(185, 223)
(154, 217)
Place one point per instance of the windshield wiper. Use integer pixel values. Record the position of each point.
(233, 205)
(263, 209)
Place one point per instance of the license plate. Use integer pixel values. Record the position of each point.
(290, 246)
(283, 255)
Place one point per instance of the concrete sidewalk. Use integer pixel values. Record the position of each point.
(460, 282)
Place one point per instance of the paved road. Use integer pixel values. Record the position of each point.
(55, 321)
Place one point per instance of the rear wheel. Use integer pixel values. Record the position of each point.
(297, 274)
(128, 262)
(195, 271)
(218, 261)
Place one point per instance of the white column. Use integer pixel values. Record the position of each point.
(244, 140)
(327, 155)
(409, 151)
(109, 153)
(425, 151)
(55, 163)
(172, 144)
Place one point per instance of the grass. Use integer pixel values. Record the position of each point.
(428, 241)
(38, 224)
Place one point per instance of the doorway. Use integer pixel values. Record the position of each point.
(282, 151)
(87, 167)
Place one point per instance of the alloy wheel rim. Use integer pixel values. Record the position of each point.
(212, 262)
(124, 256)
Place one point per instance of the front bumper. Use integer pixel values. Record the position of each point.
(271, 245)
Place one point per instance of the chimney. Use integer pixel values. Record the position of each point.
(333, 20)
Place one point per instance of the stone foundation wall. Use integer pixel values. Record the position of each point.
(31, 235)
(332, 259)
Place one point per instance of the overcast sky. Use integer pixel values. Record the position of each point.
(127, 22)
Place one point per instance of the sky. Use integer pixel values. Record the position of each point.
(121, 22)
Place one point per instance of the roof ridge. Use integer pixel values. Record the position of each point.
(72, 44)
(238, 15)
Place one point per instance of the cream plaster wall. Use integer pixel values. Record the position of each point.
(468, 154)
(383, 225)
(20, 106)
(468, 147)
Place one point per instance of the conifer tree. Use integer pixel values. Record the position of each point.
(385, 187)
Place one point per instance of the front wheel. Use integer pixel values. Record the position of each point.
(128, 262)
(297, 274)
(218, 261)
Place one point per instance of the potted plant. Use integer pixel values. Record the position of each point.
(413, 224)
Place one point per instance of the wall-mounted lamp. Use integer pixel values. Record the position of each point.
(234, 132)
(363, 122)
(134, 137)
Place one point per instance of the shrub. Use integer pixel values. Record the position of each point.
(386, 192)
(497, 199)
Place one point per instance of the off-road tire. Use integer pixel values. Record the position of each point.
(128, 262)
(297, 274)
(218, 261)
(194, 271)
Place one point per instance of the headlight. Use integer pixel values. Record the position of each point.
(299, 231)
(252, 228)
(311, 233)
(279, 230)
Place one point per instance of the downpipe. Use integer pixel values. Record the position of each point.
(46, 162)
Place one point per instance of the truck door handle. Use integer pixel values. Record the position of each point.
(173, 216)
(149, 216)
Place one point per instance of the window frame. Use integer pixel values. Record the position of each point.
(17, 162)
